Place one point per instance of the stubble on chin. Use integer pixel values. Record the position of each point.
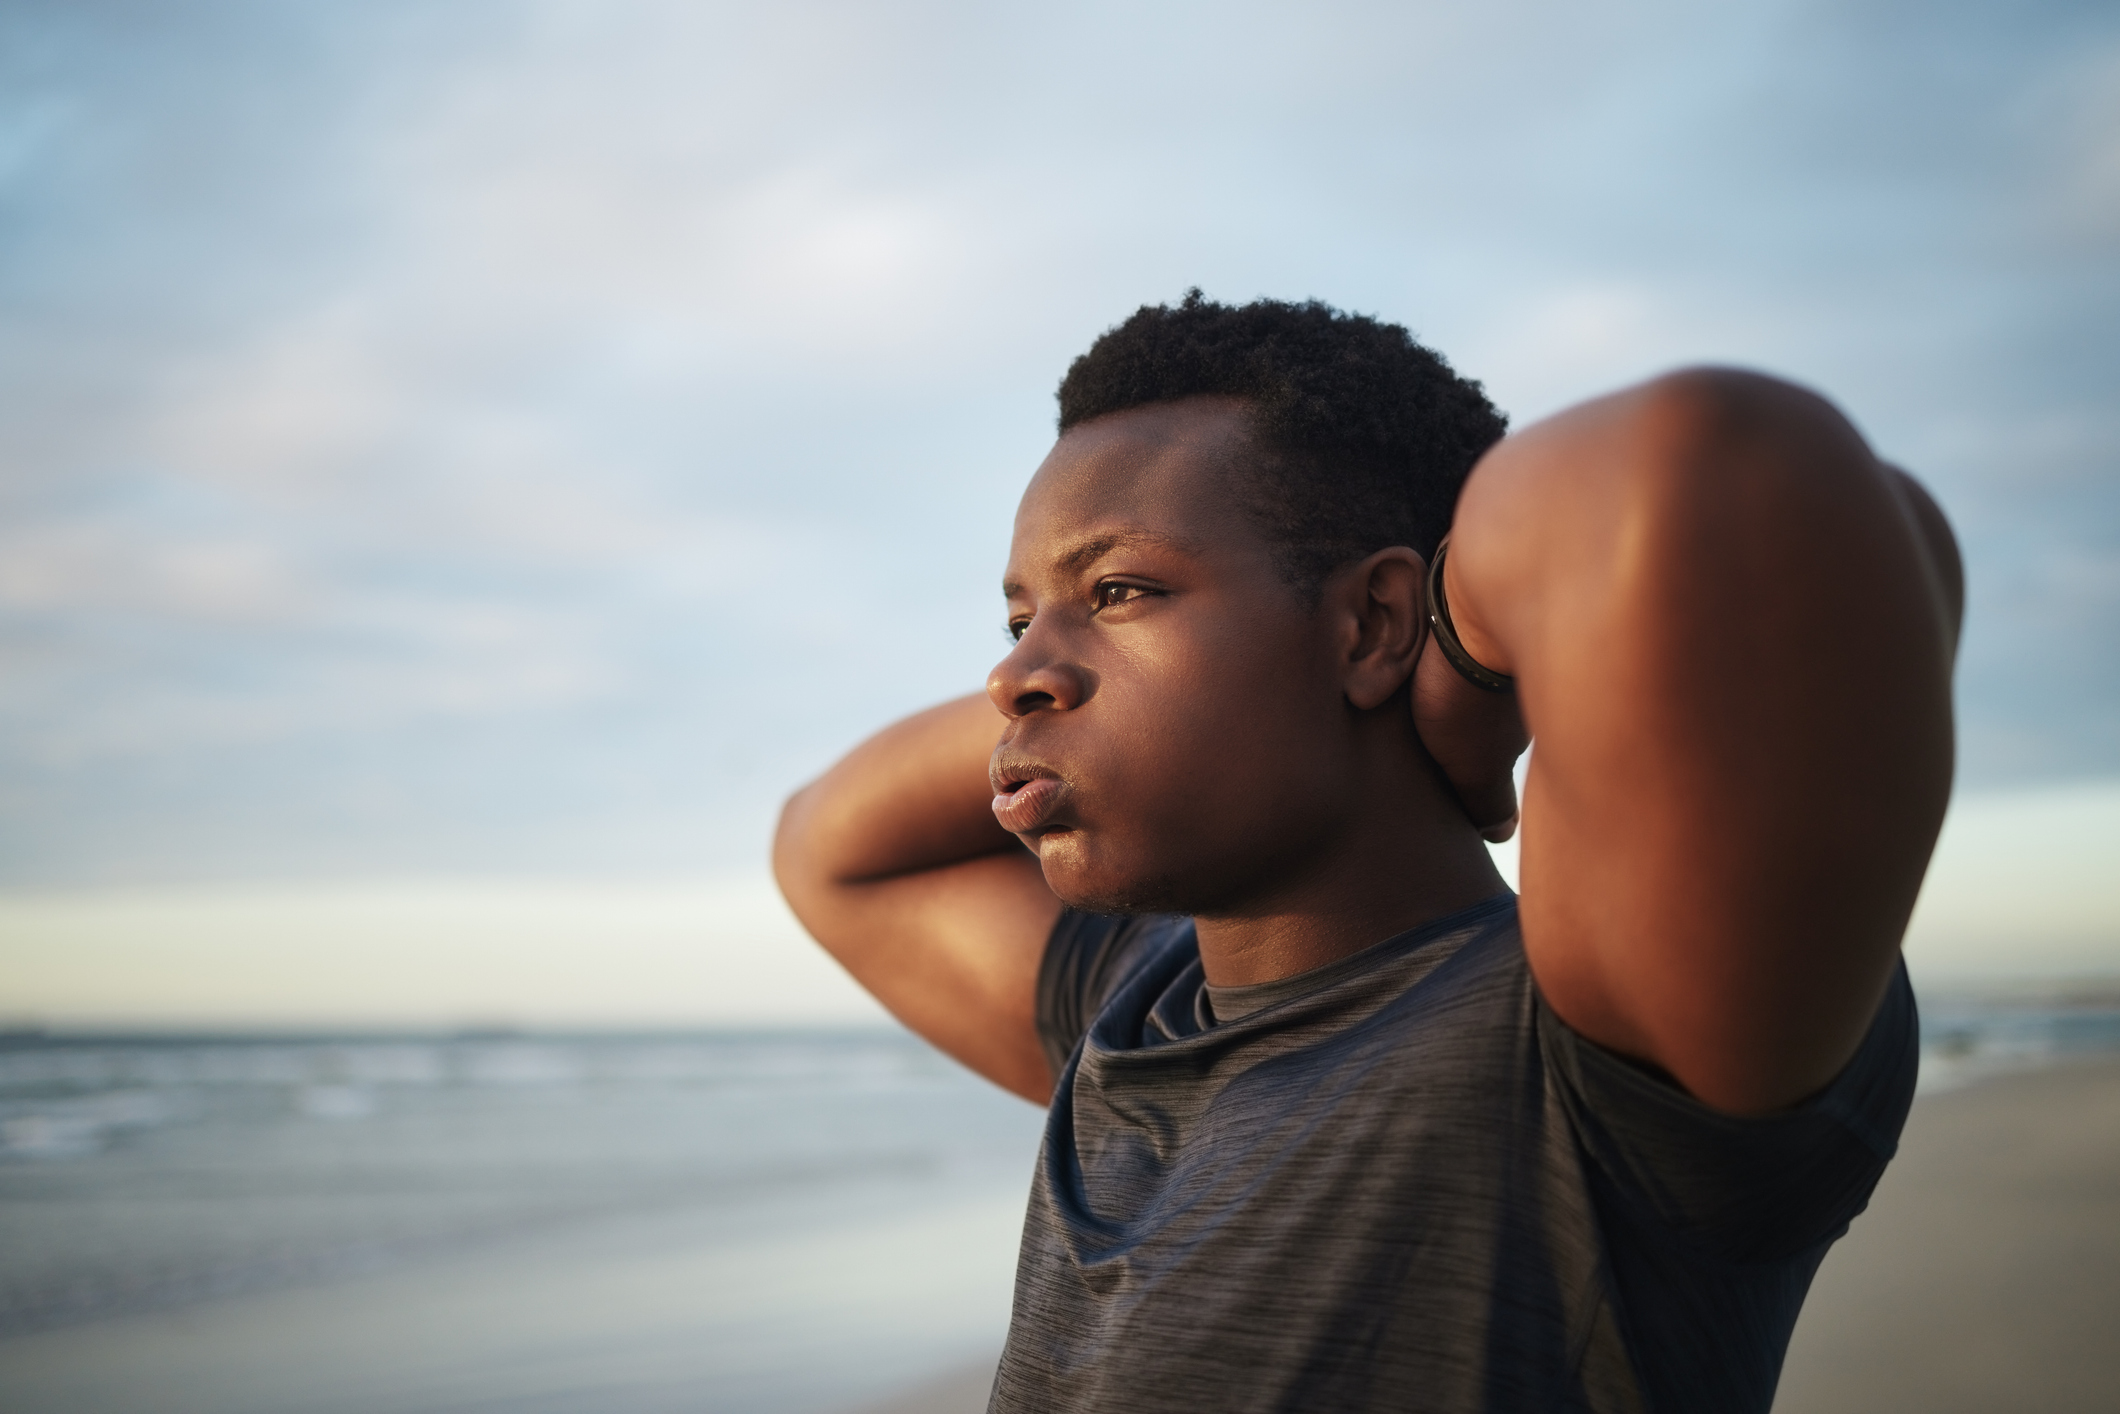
(1091, 890)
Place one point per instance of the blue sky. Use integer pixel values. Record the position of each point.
(526, 440)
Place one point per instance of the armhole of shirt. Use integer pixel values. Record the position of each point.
(1751, 1187)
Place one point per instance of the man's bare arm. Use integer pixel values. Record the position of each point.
(892, 859)
(1732, 631)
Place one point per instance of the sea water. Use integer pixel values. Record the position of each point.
(531, 1224)
(1967, 1037)
(726, 1221)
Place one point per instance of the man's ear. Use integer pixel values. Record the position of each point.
(1381, 599)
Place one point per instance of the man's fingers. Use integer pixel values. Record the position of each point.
(1490, 804)
(1475, 736)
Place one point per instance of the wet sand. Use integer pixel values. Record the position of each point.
(960, 1392)
(659, 1314)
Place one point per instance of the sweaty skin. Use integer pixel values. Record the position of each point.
(1732, 632)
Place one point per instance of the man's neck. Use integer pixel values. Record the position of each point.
(1409, 859)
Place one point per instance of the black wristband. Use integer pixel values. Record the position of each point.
(1446, 637)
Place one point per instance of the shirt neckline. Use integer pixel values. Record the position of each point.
(1233, 1004)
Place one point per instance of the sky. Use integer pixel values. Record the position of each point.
(442, 444)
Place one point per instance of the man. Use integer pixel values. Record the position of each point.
(1337, 1122)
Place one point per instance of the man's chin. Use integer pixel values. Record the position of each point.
(1081, 885)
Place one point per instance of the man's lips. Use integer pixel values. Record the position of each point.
(1025, 797)
(1029, 805)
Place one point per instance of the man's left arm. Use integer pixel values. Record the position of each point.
(1732, 630)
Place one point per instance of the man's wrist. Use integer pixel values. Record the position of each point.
(1446, 635)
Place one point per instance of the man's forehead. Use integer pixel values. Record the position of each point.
(1065, 534)
(1158, 439)
(1150, 478)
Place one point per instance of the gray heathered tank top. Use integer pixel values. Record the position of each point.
(1399, 1182)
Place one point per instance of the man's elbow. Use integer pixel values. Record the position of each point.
(1719, 433)
(798, 863)
(1706, 468)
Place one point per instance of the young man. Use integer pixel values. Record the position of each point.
(1337, 1122)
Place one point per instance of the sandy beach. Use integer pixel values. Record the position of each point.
(1986, 1274)
(657, 1316)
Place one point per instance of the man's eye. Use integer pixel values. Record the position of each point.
(1016, 628)
(1110, 594)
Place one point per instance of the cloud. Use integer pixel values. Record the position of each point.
(417, 954)
(97, 565)
(2021, 886)
(532, 437)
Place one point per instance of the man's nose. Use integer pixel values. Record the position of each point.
(1035, 677)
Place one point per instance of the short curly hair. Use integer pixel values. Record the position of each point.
(1368, 435)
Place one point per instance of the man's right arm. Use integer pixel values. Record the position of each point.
(894, 862)
(1732, 630)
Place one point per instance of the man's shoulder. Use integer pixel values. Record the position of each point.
(1090, 957)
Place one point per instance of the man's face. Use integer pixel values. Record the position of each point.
(1177, 737)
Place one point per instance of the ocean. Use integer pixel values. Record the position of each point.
(530, 1224)
(738, 1221)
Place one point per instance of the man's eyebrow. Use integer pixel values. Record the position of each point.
(1087, 552)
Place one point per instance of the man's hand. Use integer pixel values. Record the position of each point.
(1474, 735)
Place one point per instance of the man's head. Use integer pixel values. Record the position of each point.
(1215, 584)
(1360, 437)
